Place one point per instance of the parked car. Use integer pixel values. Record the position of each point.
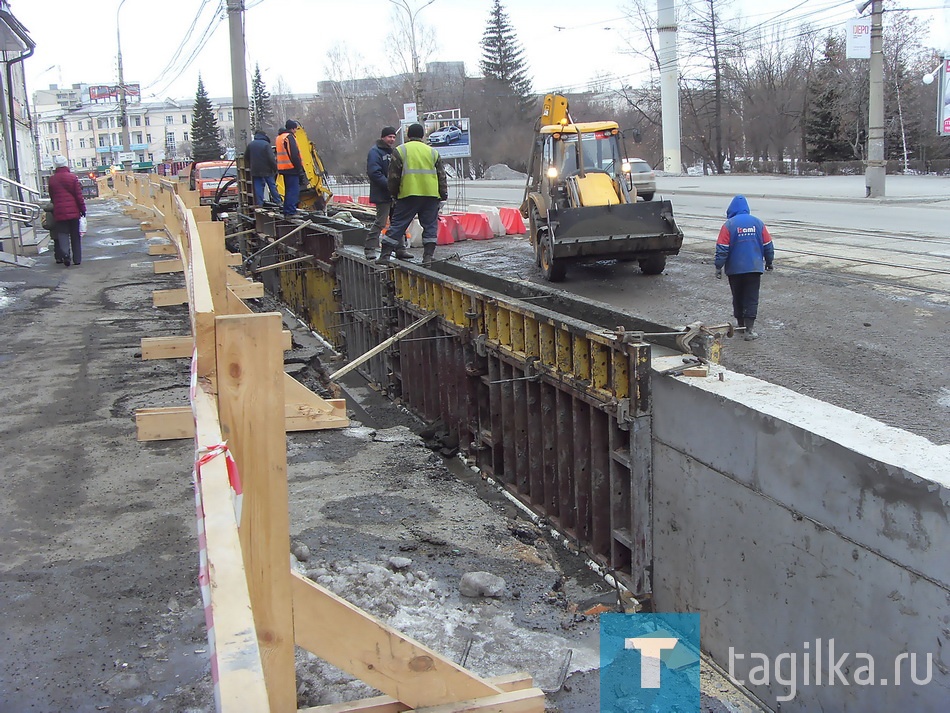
(643, 178)
(445, 135)
(90, 189)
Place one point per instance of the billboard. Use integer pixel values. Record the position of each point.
(943, 99)
(110, 92)
(452, 138)
(858, 43)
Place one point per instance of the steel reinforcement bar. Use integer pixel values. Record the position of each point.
(554, 407)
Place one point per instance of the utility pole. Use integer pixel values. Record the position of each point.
(242, 114)
(123, 96)
(875, 172)
(416, 74)
(669, 86)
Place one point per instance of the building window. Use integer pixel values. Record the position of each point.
(112, 123)
(148, 138)
(102, 123)
(82, 143)
(148, 121)
(151, 157)
(169, 119)
(230, 116)
(184, 136)
(103, 141)
(231, 133)
(78, 126)
(137, 137)
(115, 139)
(136, 120)
(184, 118)
(85, 163)
(170, 141)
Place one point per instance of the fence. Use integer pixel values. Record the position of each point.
(256, 609)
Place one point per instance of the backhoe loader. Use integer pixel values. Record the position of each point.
(580, 203)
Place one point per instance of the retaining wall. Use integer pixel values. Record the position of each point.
(785, 520)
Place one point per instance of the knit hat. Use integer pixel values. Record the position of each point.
(387, 131)
(290, 125)
(416, 131)
(59, 161)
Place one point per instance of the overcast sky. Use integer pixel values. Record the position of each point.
(76, 41)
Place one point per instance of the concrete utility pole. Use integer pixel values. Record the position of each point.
(875, 173)
(123, 97)
(242, 113)
(669, 85)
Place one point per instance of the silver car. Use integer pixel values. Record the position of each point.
(446, 135)
(643, 178)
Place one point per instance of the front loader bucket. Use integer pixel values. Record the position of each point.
(626, 230)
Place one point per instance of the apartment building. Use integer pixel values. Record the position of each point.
(83, 123)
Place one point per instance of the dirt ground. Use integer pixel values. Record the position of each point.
(98, 560)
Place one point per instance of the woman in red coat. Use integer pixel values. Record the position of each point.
(68, 208)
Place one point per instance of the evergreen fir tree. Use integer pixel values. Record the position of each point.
(824, 137)
(503, 57)
(261, 114)
(205, 136)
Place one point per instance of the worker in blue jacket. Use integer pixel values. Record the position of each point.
(745, 250)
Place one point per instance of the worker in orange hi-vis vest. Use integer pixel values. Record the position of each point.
(289, 166)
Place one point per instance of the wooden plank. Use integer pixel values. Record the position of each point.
(248, 290)
(354, 641)
(164, 267)
(241, 684)
(170, 298)
(211, 236)
(233, 259)
(382, 346)
(236, 306)
(163, 249)
(202, 214)
(167, 347)
(164, 424)
(530, 700)
(200, 300)
(386, 704)
(306, 411)
(250, 372)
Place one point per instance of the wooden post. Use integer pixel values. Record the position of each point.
(251, 406)
(211, 235)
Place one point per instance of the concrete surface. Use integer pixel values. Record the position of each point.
(785, 520)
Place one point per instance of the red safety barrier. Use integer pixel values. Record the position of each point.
(448, 230)
(338, 198)
(364, 200)
(512, 220)
(473, 226)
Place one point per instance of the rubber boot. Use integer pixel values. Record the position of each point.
(428, 251)
(749, 334)
(371, 251)
(403, 254)
(384, 256)
(740, 322)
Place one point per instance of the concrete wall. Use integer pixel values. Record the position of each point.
(784, 520)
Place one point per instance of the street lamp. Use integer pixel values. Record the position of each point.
(123, 101)
(416, 79)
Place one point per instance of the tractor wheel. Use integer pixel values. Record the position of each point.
(552, 270)
(653, 265)
(534, 225)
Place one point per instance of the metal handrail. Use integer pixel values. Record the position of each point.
(11, 182)
(20, 211)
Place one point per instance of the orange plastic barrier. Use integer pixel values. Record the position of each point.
(473, 226)
(512, 220)
(364, 200)
(338, 198)
(448, 230)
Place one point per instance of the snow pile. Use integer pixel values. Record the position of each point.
(500, 172)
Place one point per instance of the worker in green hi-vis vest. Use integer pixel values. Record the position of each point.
(418, 184)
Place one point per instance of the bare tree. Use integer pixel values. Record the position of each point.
(344, 68)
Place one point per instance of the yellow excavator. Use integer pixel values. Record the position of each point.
(315, 194)
(580, 202)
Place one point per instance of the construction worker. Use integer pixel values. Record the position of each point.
(290, 166)
(377, 168)
(744, 248)
(417, 181)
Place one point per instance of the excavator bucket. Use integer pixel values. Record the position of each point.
(317, 194)
(614, 231)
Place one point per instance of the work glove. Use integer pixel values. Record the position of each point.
(769, 267)
(718, 273)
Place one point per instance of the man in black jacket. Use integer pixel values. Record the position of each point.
(262, 162)
(377, 168)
